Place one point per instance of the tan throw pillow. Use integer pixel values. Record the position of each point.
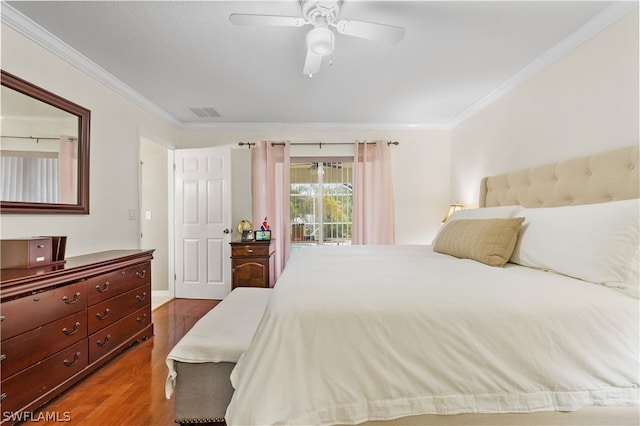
(490, 241)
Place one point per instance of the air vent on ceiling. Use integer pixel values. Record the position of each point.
(206, 112)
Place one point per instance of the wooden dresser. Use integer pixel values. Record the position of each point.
(61, 322)
(252, 264)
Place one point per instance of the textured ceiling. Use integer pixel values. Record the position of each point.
(182, 55)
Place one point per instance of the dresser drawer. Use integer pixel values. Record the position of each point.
(28, 348)
(109, 338)
(250, 250)
(37, 309)
(104, 286)
(32, 383)
(110, 311)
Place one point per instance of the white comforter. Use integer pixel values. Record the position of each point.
(379, 332)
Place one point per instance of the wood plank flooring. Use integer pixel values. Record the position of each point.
(129, 390)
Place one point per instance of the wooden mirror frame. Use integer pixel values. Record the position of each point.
(84, 121)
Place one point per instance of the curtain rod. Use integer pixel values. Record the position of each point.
(250, 144)
(35, 138)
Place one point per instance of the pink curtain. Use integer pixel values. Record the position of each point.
(373, 221)
(270, 186)
(68, 170)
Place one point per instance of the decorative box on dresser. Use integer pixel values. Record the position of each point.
(252, 264)
(61, 322)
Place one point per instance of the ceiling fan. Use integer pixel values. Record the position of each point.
(323, 14)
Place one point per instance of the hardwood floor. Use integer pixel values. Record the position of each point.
(129, 390)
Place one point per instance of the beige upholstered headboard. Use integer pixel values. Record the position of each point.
(598, 178)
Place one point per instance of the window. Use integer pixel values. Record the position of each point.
(321, 200)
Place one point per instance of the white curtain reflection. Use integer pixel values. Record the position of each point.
(29, 179)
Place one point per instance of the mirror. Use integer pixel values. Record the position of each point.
(44, 151)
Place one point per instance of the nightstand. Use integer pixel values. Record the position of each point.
(252, 264)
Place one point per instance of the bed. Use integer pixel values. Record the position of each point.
(547, 334)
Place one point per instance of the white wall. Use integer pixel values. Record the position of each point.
(420, 170)
(116, 124)
(154, 213)
(584, 103)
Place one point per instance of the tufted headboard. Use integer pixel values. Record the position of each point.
(598, 178)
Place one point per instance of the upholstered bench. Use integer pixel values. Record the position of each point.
(201, 362)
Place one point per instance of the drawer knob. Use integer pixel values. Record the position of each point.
(142, 318)
(104, 288)
(73, 331)
(142, 296)
(1, 318)
(103, 316)
(249, 251)
(2, 357)
(3, 396)
(101, 343)
(141, 274)
(76, 357)
(68, 301)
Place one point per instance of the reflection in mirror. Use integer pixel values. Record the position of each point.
(39, 154)
(43, 151)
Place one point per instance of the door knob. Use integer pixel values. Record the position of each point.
(226, 231)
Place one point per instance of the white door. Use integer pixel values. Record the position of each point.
(203, 222)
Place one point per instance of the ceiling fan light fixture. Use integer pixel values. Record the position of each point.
(320, 40)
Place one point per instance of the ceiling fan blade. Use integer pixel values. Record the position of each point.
(312, 63)
(371, 31)
(269, 20)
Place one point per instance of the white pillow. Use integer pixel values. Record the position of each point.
(501, 212)
(593, 242)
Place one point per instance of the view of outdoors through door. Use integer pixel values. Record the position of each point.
(321, 203)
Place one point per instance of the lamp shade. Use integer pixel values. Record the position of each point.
(452, 208)
(320, 40)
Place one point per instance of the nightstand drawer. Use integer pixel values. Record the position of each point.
(250, 250)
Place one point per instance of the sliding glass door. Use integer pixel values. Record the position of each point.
(321, 200)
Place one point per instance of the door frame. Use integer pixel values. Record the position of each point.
(170, 293)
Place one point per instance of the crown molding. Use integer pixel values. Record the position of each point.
(246, 126)
(591, 28)
(34, 32)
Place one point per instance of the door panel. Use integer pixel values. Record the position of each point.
(203, 218)
(214, 193)
(190, 261)
(216, 253)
